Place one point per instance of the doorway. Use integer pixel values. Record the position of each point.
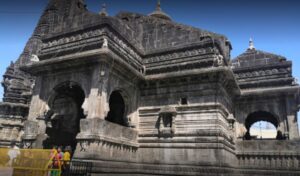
(66, 112)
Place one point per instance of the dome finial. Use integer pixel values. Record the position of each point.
(103, 10)
(158, 8)
(158, 13)
(251, 44)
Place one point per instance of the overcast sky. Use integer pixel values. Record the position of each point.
(274, 25)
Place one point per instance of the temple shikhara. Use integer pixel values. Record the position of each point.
(139, 94)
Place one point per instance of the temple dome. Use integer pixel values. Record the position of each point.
(158, 13)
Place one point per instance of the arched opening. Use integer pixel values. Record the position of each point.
(117, 109)
(64, 116)
(263, 130)
(262, 125)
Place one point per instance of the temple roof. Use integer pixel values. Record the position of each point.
(151, 33)
(260, 69)
(254, 58)
(155, 34)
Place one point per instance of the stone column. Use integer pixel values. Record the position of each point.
(96, 105)
(293, 126)
(35, 126)
(291, 108)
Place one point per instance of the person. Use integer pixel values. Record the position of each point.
(247, 136)
(56, 161)
(51, 164)
(60, 153)
(66, 161)
(279, 135)
(13, 153)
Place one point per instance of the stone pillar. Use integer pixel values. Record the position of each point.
(293, 126)
(96, 105)
(291, 109)
(35, 126)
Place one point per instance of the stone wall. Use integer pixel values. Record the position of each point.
(269, 157)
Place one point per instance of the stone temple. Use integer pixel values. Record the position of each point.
(143, 95)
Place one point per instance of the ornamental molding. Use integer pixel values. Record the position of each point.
(256, 73)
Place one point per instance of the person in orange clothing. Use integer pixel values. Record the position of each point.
(56, 161)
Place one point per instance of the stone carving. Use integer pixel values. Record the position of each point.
(105, 43)
(128, 54)
(175, 55)
(83, 145)
(218, 60)
(27, 144)
(34, 58)
(30, 130)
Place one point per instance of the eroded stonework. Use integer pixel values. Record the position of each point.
(141, 94)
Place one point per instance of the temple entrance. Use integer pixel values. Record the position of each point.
(64, 116)
(116, 112)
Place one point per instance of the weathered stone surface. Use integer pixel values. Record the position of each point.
(138, 94)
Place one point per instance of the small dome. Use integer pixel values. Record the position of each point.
(103, 11)
(158, 13)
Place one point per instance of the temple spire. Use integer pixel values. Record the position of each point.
(251, 44)
(103, 10)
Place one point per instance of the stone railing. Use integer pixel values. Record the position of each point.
(269, 160)
(269, 154)
(99, 130)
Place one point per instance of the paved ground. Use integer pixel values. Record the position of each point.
(6, 171)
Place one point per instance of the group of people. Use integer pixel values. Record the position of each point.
(60, 161)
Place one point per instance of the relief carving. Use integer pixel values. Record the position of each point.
(165, 122)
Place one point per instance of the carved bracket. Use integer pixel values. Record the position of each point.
(27, 144)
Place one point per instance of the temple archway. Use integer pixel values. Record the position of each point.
(265, 118)
(117, 109)
(263, 130)
(64, 115)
